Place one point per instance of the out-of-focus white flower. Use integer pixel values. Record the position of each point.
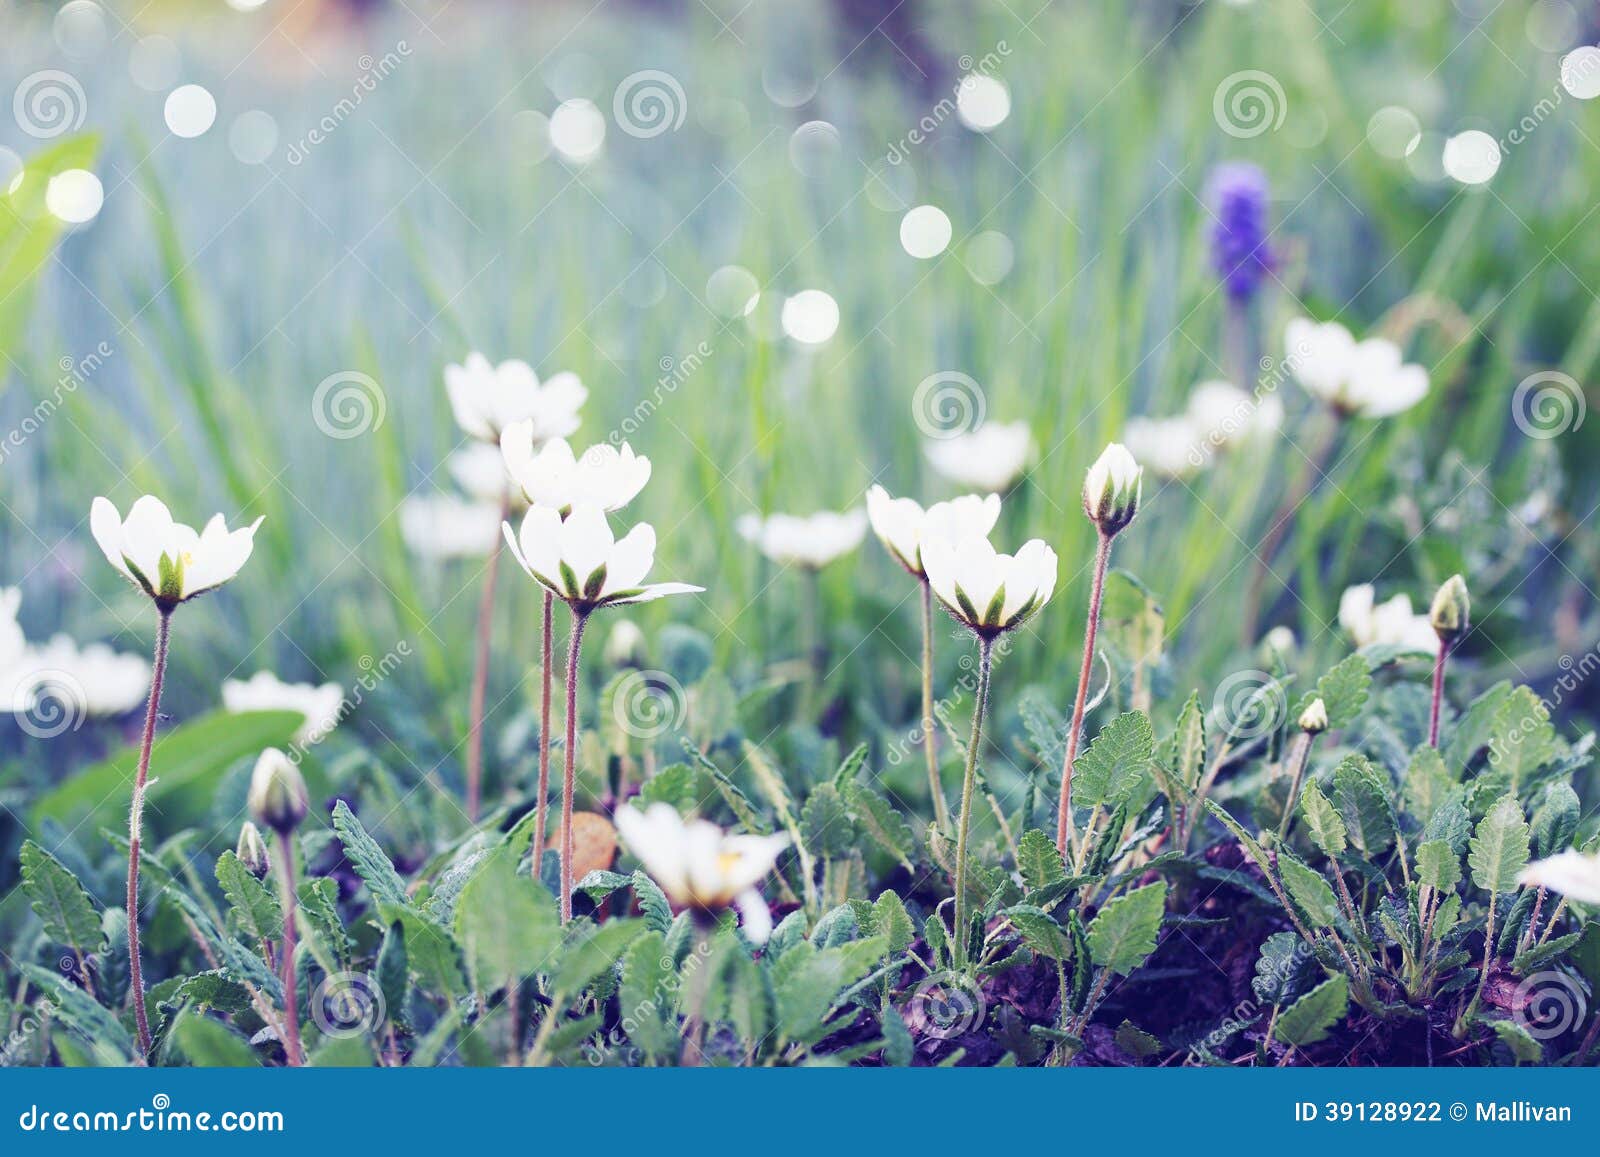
(700, 867)
(1222, 414)
(551, 475)
(812, 540)
(264, 691)
(903, 525)
(12, 640)
(479, 470)
(1280, 640)
(1358, 379)
(168, 560)
(1571, 873)
(1369, 622)
(109, 682)
(444, 526)
(1112, 488)
(1168, 446)
(579, 560)
(991, 457)
(487, 398)
(988, 591)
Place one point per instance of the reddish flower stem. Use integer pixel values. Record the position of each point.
(1102, 558)
(1438, 693)
(136, 827)
(570, 769)
(291, 994)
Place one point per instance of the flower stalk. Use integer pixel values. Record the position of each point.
(569, 775)
(1102, 558)
(547, 659)
(480, 670)
(136, 826)
(979, 707)
(1450, 616)
(930, 747)
(293, 1050)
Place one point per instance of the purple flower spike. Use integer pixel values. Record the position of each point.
(1238, 194)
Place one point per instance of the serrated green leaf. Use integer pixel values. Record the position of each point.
(1555, 819)
(1361, 794)
(1250, 844)
(648, 996)
(1523, 738)
(60, 901)
(208, 1043)
(79, 1011)
(1522, 1043)
(1115, 762)
(1343, 691)
(368, 859)
(1124, 932)
(1499, 848)
(1308, 889)
(1038, 860)
(1322, 821)
(1040, 931)
(589, 952)
(1428, 784)
(1438, 865)
(1451, 823)
(1309, 1019)
(1281, 967)
(1134, 1041)
(254, 906)
(879, 821)
(825, 824)
(1189, 745)
(809, 981)
(507, 924)
(432, 953)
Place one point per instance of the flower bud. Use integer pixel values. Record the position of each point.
(1279, 643)
(1314, 719)
(1112, 488)
(252, 851)
(277, 792)
(625, 645)
(1451, 613)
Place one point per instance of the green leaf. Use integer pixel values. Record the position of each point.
(1555, 819)
(1522, 1043)
(1040, 931)
(1343, 691)
(431, 952)
(649, 996)
(79, 1011)
(825, 824)
(1308, 1020)
(589, 952)
(1475, 728)
(507, 924)
(880, 822)
(1124, 933)
(211, 1044)
(1361, 794)
(1283, 962)
(1038, 860)
(28, 231)
(1116, 761)
(1523, 738)
(1428, 784)
(1250, 844)
(809, 980)
(1499, 847)
(1308, 888)
(368, 859)
(1322, 821)
(1438, 865)
(188, 764)
(61, 902)
(888, 918)
(1134, 1041)
(1189, 745)
(652, 902)
(255, 907)
(1451, 823)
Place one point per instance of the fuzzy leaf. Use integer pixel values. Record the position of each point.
(1038, 860)
(825, 824)
(1523, 738)
(1040, 931)
(1114, 763)
(61, 902)
(649, 987)
(1322, 821)
(1362, 798)
(1281, 967)
(881, 823)
(1499, 847)
(809, 980)
(1189, 745)
(1343, 691)
(1555, 819)
(507, 924)
(1124, 932)
(1438, 865)
(1309, 889)
(1308, 1019)
(1427, 784)
(368, 859)
(254, 906)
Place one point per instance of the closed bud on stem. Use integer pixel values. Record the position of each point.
(1112, 488)
(1314, 719)
(277, 792)
(1451, 613)
(625, 645)
(252, 851)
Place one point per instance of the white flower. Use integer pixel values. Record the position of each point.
(1168, 446)
(12, 641)
(167, 559)
(1393, 622)
(812, 540)
(487, 398)
(903, 525)
(988, 591)
(1573, 874)
(1361, 379)
(990, 457)
(1222, 414)
(264, 691)
(1281, 640)
(551, 475)
(1112, 488)
(579, 560)
(479, 470)
(443, 526)
(700, 867)
(108, 682)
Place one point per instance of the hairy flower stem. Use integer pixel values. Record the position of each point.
(547, 660)
(930, 748)
(817, 646)
(1300, 757)
(480, 671)
(1438, 693)
(569, 775)
(1102, 557)
(1483, 973)
(694, 1021)
(979, 706)
(158, 673)
(1282, 522)
(291, 992)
